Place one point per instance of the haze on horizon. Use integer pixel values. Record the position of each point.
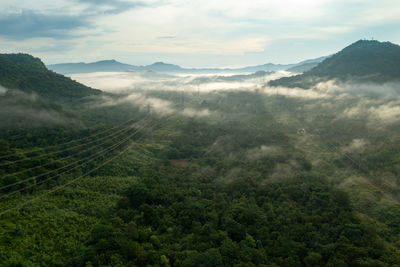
(195, 33)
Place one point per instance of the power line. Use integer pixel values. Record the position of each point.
(62, 186)
(114, 135)
(75, 167)
(62, 150)
(49, 172)
(66, 184)
(69, 142)
(48, 179)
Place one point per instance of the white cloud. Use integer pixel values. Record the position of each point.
(263, 152)
(377, 113)
(107, 81)
(357, 145)
(190, 112)
(296, 93)
(211, 28)
(386, 114)
(157, 105)
(3, 90)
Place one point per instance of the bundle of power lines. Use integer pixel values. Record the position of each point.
(95, 151)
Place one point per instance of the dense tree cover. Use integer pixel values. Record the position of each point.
(362, 58)
(30, 75)
(199, 215)
(194, 223)
(27, 142)
(366, 61)
(242, 187)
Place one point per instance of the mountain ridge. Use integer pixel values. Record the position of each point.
(29, 74)
(364, 60)
(115, 66)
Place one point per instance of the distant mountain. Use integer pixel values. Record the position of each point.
(115, 66)
(306, 65)
(28, 74)
(366, 61)
(232, 78)
(303, 67)
(99, 66)
(243, 77)
(111, 66)
(314, 60)
(161, 67)
(266, 67)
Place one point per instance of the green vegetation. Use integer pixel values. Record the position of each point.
(30, 75)
(363, 61)
(261, 180)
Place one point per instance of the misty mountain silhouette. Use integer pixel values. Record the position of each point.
(99, 66)
(303, 67)
(161, 67)
(115, 66)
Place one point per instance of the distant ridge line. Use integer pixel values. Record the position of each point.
(115, 66)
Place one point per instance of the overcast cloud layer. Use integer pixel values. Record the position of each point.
(193, 33)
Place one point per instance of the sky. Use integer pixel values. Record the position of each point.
(192, 33)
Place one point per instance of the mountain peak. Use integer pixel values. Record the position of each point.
(161, 66)
(23, 62)
(107, 61)
(366, 60)
(369, 44)
(160, 63)
(27, 73)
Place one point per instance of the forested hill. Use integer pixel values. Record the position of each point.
(28, 74)
(370, 61)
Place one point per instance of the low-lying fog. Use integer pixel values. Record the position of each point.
(123, 82)
(377, 104)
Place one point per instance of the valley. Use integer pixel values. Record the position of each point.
(156, 169)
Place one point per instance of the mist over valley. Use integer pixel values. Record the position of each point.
(212, 155)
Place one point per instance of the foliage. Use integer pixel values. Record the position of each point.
(242, 187)
(363, 61)
(30, 75)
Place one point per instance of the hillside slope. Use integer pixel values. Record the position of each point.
(28, 74)
(367, 61)
(303, 67)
